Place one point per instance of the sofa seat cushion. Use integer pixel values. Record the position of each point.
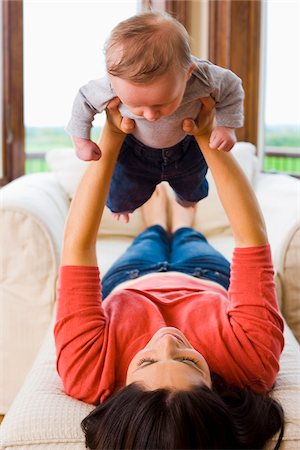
(44, 417)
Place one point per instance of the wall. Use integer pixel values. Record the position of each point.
(198, 27)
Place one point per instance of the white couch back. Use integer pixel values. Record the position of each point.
(210, 219)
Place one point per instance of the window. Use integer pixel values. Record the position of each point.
(280, 136)
(63, 49)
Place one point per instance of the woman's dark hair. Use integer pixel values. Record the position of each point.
(202, 418)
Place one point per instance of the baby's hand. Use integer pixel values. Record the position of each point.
(222, 138)
(86, 149)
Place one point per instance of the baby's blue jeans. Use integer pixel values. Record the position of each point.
(154, 250)
(140, 168)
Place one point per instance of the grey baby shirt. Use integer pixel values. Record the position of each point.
(207, 80)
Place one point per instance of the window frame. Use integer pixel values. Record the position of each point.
(263, 149)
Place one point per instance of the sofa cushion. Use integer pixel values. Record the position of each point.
(210, 219)
(69, 170)
(279, 198)
(43, 416)
(109, 248)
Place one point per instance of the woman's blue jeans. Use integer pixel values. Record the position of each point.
(153, 250)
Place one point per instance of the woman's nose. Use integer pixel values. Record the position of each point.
(168, 345)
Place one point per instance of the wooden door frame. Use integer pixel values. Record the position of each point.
(234, 43)
(13, 116)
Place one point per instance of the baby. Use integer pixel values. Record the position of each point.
(159, 83)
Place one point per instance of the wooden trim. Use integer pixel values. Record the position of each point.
(219, 32)
(283, 152)
(177, 8)
(234, 37)
(13, 121)
(35, 155)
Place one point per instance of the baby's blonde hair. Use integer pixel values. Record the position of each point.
(147, 46)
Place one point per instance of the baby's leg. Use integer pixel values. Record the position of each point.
(154, 211)
(185, 203)
(132, 182)
(189, 183)
(128, 192)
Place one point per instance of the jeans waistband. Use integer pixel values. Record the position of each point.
(158, 154)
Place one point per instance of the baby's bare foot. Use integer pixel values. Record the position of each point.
(154, 211)
(181, 216)
(117, 216)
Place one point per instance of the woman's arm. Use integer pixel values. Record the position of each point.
(235, 192)
(80, 234)
(254, 331)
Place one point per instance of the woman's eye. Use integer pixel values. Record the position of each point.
(144, 360)
(190, 359)
(150, 360)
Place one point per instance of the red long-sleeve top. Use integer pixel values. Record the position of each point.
(239, 332)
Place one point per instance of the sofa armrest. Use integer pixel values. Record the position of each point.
(33, 212)
(279, 197)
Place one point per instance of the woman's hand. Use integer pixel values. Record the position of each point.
(115, 121)
(203, 125)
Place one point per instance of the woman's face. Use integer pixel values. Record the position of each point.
(168, 361)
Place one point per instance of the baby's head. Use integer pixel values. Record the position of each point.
(148, 60)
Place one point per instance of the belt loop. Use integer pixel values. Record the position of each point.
(185, 143)
(133, 274)
(163, 267)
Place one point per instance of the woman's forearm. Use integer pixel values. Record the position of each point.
(236, 195)
(87, 206)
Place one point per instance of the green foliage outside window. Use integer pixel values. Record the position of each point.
(40, 140)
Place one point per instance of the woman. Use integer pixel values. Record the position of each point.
(174, 358)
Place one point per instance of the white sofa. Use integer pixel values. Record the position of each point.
(33, 211)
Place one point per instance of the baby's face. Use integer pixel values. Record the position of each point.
(153, 100)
